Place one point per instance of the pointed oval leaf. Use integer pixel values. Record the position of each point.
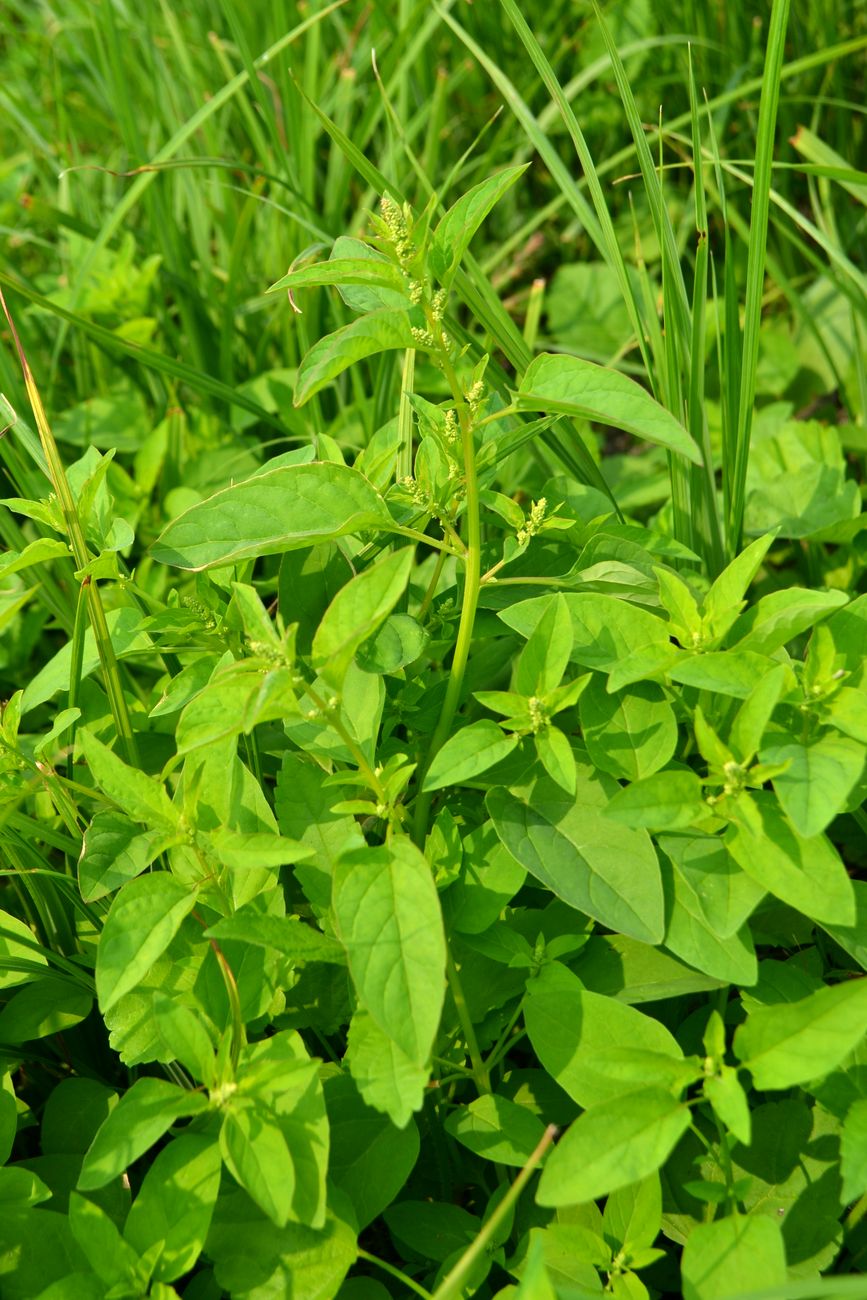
(787, 1044)
(280, 510)
(469, 752)
(144, 918)
(573, 386)
(144, 1113)
(453, 234)
(356, 612)
(380, 331)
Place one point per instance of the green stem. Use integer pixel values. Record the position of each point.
(395, 1272)
(453, 1281)
(472, 584)
(480, 1074)
(332, 717)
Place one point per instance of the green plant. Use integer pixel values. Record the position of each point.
(432, 862)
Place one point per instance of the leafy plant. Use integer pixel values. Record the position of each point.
(433, 852)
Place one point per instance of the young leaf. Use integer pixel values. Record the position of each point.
(144, 918)
(573, 386)
(280, 510)
(612, 1145)
(144, 1113)
(356, 612)
(455, 231)
(140, 796)
(666, 801)
(543, 660)
(373, 271)
(175, 1203)
(784, 1045)
(468, 753)
(381, 331)
(733, 1256)
(255, 1151)
(604, 870)
(389, 920)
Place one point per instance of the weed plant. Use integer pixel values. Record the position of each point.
(432, 844)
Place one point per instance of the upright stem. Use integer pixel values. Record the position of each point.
(472, 583)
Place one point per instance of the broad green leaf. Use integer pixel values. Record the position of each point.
(370, 1158)
(853, 1151)
(235, 700)
(734, 1256)
(780, 616)
(175, 1203)
(569, 1027)
(633, 1215)
(726, 894)
(399, 642)
(787, 1044)
(556, 756)
(372, 294)
(255, 1151)
(456, 229)
(144, 918)
(630, 733)
(496, 1129)
(433, 1229)
(139, 795)
(689, 934)
(489, 878)
(666, 801)
(113, 1260)
(387, 1079)
(303, 807)
(288, 936)
(573, 386)
(380, 331)
(43, 1007)
(356, 612)
(144, 1113)
(612, 1145)
(605, 630)
(239, 850)
(726, 1095)
(633, 972)
(724, 600)
(113, 851)
(18, 944)
(808, 874)
(543, 660)
(607, 871)
(468, 753)
(755, 713)
(375, 272)
(728, 672)
(185, 1038)
(818, 781)
(280, 510)
(20, 1187)
(388, 918)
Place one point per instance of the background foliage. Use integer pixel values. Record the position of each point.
(433, 690)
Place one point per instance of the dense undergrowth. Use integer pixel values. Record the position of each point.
(434, 717)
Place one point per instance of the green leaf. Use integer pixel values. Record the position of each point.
(689, 934)
(819, 779)
(755, 713)
(115, 1263)
(452, 236)
(388, 918)
(113, 851)
(43, 1007)
(137, 794)
(780, 616)
(468, 753)
(373, 272)
(729, 1101)
(726, 894)
(370, 1158)
(433, 1229)
(175, 1203)
(144, 918)
(733, 1256)
(570, 1027)
(385, 1076)
(787, 1044)
(186, 1039)
(630, 733)
(808, 874)
(612, 1145)
(633, 1215)
(380, 331)
(496, 1129)
(255, 1151)
(724, 600)
(555, 755)
(729, 672)
(543, 660)
(280, 510)
(399, 642)
(144, 1113)
(853, 1151)
(604, 870)
(666, 801)
(288, 936)
(356, 612)
(605, 630)
(573, 386)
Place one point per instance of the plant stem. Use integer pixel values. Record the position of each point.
(452, 1282)
(472, 584)
(480, 1074)
(395, 1272)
